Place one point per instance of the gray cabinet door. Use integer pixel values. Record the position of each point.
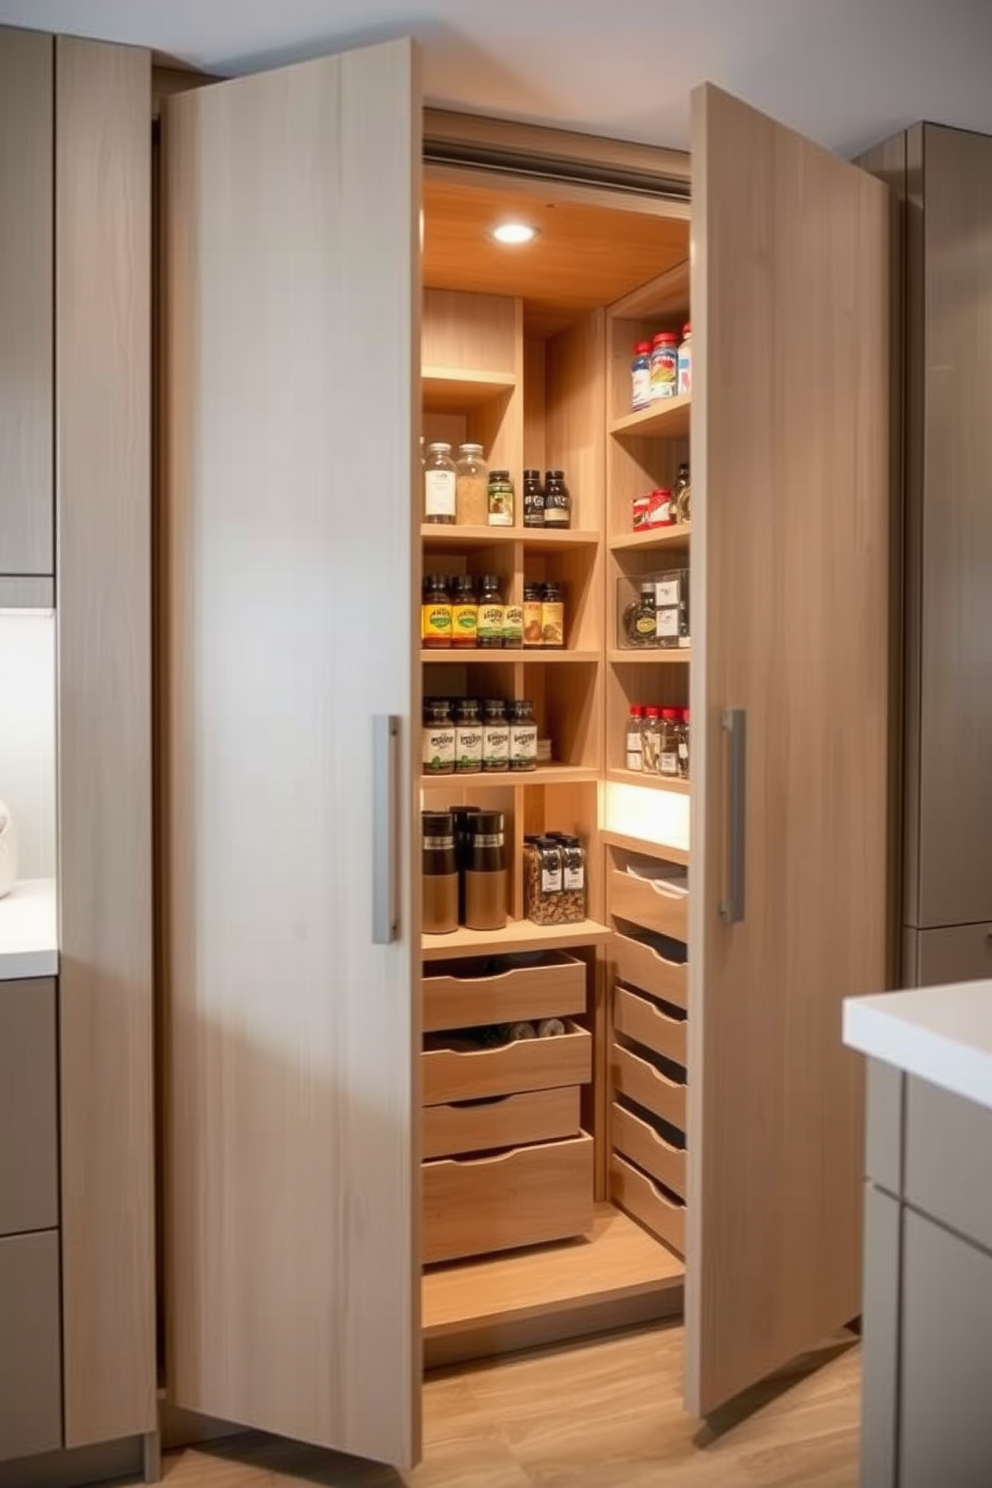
(30, 1354)
(880, 1340)
(28, 1107)
(961, 953)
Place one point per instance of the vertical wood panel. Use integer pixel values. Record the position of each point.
(26, 191)
(103, 143)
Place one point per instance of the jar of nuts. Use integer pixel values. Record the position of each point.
(554, 880)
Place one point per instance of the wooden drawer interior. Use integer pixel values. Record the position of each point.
(649, 904)
(641, 1081)
(646, 1022)
(641, 965)
(643, 1199)
(529, 1064)
(527, 1196)
(503, 989)
(504, 1121)
(637, 1139)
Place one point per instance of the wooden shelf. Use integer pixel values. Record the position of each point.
(471, 657)
(616, 1276)
(552, 774)
(455, 389)
(668, 418)
(664, 654)
(652, 782)
(653, 537)
(547, 539)
(519, 935)
(649, 849)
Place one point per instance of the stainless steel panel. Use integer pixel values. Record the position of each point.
(29, 1197)
(30, 1353)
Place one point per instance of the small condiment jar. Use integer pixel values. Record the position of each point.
(640, 376)
(435, 614)
(490, 625)
(661, 512)
(557, 500)
(438, 738)
(533, 499)
(495, 737)
(468, 738)
(533, 634)
(685, 362)
(464, 614)
(485, 872)
(664, 365)
(671, 729)
(523, 736)
(552, 617)
(513, 626)
(500, 499)
(439, 874)
(471, 486)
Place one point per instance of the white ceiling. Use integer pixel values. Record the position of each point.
(846, 72)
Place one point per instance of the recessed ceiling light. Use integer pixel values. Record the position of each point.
(513, 232)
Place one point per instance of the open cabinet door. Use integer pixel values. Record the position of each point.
(290, 325)
(791, 908)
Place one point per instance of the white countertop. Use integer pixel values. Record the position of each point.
(29, 930)
(941, 1034)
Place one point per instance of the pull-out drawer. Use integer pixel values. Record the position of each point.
(638, 1140)
(500, 991)
(642, 1020)
(30, 1346)
(651, 904)
(29, 1157)
(642, 966)
(640, 1081)
(503, 1121)
(527, 1196)
(642, 1198)
(528, 1064)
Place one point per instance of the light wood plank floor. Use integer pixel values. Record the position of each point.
(603, 1414)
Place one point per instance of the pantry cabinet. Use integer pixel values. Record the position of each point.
(330, 1126)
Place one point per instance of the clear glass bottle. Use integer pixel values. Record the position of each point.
(471, 487)
(651, 742)
(439, 485)
(634, 723)
(683, 494)
(684, 745)
(671, 729)
(640, 619)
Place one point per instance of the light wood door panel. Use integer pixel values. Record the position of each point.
(791, 496)
(26, 246)
(291, 315)
(103, 400)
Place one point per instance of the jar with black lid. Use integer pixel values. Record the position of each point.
(489, 634)
(523, 736)
(438, 750)
(557, 500)
(533, 499)
(439, 875)
(495, 737)
(485, 872)
(468, 737)
(462, 816)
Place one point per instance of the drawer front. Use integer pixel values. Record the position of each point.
(646, 1023)
(646, 904)
(641, 1198)
(529, 1064)
(505, 1121)
(639, 1141)
(555, 988)
(639, 1081)
(30, 1347)
(528, 1196)
(28, 1107)
(945, 1157)
(958, 953)
(641, 966)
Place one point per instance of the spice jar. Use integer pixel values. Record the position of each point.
(500, 499)
(495, 737)
(683, 494)
(471, 486)
(640, 376)
(523, 736)
(671, 728)
(533, 499)
(439, 874)
(664, 365)
(573, 875)
(435, 614)
(640, 621)
(542, 880)
(533, 620)
(438, 738)
(490, 626)
(557, 500)
(633, 738)
(685, 362)
(439, 485)
(468, 738)
(552, 617)
(485, 872)
(464, 613)
(651, 742)
(684, 746)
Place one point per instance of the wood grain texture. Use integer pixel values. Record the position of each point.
(26, 309)
(507, 1121)
(791, 249)
(103, 397)
(291, 1087)
(526, 1064)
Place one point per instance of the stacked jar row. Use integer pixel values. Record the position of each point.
(469, 736)
(662, 368)
(658, 741)
(459, 614)
(466, 493)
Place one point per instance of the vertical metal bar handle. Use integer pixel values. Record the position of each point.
(734, 722)
(385, 858)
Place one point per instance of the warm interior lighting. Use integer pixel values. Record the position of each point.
(658, 817)
(513, 233)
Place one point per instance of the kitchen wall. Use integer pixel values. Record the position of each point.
(27, 736)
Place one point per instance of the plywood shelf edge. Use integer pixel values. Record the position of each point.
(666, 419)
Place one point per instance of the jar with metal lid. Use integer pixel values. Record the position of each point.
(439, 485)
(552, 617)
(542, 880)
(471, 487)
(501, 502)
(439, 873)
(464, 613)
(671, 729)
(495, 737)
(438, 738)
(462, 815)
(573, 879)
(533, 632)
(557, 500)
(523, 736)
(468, 737)
(435, 614)
(485, 872)
(533, 499)
(664, 365)
(490, 624)
(513, 625)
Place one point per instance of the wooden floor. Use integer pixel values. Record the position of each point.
(605, 1414)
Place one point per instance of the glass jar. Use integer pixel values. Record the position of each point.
(634, 721)
(640, 621)
(533, 499)
(439, 485)
(435, 614)
(542, 880)
(471, 487)
(485, 872)
(468, 738)
(533, 631)
(490, 626)
(557, 500)
(573, 879)
(495, 737)
(685, 362)
(464, 613)
(523, 736)
(671, 729)
(640, 376)
(439, 874)
(683, 494)
(664, 365)
(651, 742)
(684, 746)
(501, 502)
(438, 738)
(552, 617)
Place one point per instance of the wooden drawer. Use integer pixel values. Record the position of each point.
(30, 1346)
(29, 1153)
(529, 1064)
(638, 1140)
(505, 1121)
(527, 1196)
(641, 966)
(640, 1081)
(644, 1021)
(650, 905)
(640, 1197)
(552, 988)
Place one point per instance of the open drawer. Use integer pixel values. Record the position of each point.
(637, 1139)
(646, 1022)
(651, 903)
(527, 1196)
(529, 1064)
(501, 1121)
(639, 1080)
(640, 965)
(642, 1198)
(502, 990)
